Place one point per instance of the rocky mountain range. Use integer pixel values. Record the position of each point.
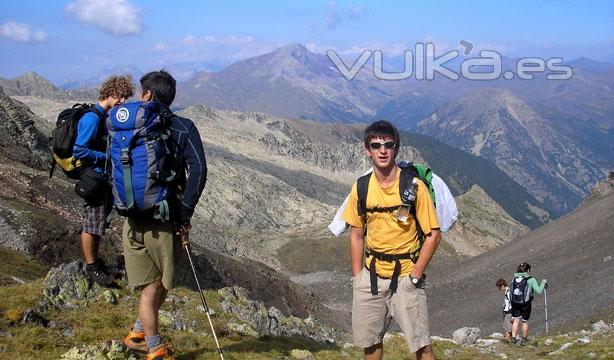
(273, 186)
(293, 82)
(32, 84)
(543, 155)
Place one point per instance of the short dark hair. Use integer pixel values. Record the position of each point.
(162, 86)
(524, 267)
(381, 128)
(501, 282)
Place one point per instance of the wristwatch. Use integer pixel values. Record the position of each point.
(418, 283)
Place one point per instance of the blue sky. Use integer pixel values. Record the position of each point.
(71, 39)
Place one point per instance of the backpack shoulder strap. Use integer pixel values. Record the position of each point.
(94, 109)
(408, 172)
(362, 188)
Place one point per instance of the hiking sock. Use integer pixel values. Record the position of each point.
(153, 341)
(137, 327)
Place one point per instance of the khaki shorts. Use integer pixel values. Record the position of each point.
(150, 251)
(372, 314)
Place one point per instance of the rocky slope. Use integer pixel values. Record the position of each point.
(541, 154)
(32, 84)
(19, 138)
(274, 184)
(574, 253)
(289, 82)
(482, 224)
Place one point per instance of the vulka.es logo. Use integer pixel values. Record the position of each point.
(423, 64)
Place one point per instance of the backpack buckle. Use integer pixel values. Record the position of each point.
(124, 157)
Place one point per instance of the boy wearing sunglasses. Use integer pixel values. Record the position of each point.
(389, 283)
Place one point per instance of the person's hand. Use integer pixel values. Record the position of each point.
(419, 283)
(183, 230)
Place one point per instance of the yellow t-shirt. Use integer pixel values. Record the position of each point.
(386, 234)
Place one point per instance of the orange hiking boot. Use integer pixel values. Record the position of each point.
(161, 352)
(135, 341)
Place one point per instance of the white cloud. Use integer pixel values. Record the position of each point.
(160, 46)
(356, 12)
(117, 17)
(333, 19)
(22, 33)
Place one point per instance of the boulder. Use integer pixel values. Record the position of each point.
(466, 335)
(297, 354)
(599, 326)
(110, 350)
(67, 286)
(262, 321)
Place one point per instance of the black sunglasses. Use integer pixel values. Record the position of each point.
(387, 145)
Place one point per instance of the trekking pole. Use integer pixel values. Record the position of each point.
(185, 242)
(546, 307)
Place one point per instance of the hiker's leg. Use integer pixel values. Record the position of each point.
(89, 247)
(515, 327)
(375, 352)
(151, 296)
(408, 307)
(525, 328)
(425, 353)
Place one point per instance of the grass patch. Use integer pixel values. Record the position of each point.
(100, 321)
(14, 263)
(304, 254)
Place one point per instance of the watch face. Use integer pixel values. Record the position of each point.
(414, 281)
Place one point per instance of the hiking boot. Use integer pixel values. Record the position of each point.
(135, 341)
(161, 352)
(524, 341)
(98, 273)
(514, 340)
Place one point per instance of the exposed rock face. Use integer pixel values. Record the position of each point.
(110, 350)
(541, 154)
(271, 321)
(602, 189)
(466, 335)
(19, 137)
(482, 224)
(32, 84)
(68, 286)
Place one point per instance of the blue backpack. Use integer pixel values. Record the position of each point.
(142, 172)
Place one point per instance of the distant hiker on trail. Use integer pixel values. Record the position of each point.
(523, 286)
(390, 282)
(90, 148)
(507, 308)
(159, 173)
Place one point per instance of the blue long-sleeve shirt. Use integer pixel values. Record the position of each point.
(191, 164)
(88, 130)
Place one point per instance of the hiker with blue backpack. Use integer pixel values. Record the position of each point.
(523, 287)
(391, 212)
(158, 171)
(88, 149)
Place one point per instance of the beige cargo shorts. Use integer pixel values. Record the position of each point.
(372, 314)
(151, 251)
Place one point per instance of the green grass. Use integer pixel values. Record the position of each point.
(16, 264)
(100, 321)
(309, 254)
